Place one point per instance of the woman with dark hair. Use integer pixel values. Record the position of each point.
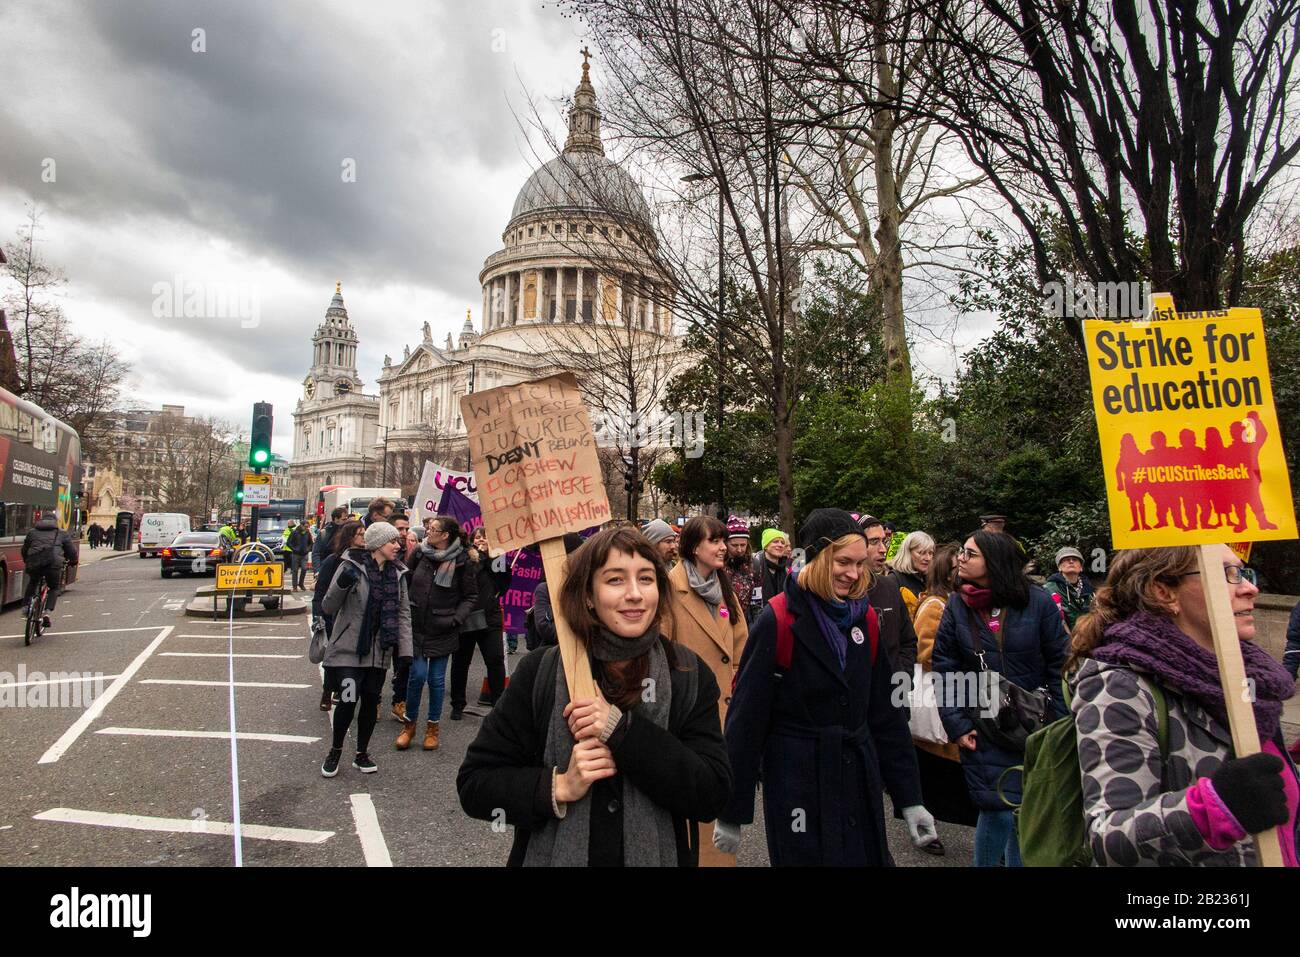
(443, 596)
(710, 620)
(1145, 650)
(483, 631)
(619, 779)
(349, 535)
(816, 722)
(1000, 622)
(372, 627)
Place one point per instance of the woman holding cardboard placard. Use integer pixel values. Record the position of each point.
(616, 780)
(710, 621)
(1148, 639)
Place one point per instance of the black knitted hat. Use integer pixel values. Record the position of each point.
(822, 527)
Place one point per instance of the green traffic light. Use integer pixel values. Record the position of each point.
(261, 456)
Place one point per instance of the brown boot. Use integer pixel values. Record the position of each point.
(430, 736)
(399, 710)
(404, 737)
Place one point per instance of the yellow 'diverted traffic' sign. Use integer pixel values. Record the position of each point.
(252, 575)
(1189, 435)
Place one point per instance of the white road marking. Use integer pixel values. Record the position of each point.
(372, 838)
(223, 735)
(217, 684)
(95, 631)
(57, 749)
(217, 654)
(182, 825)
(262, 637)
(60, 681)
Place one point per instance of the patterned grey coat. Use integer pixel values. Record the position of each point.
(1134, 818)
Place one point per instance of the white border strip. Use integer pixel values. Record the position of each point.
(223, 735)
(57, 749)
(373, 845)
(91, 631)
(181, 825)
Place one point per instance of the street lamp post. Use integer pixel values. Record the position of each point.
(722, 306)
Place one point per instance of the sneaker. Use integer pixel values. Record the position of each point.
(331, 765)
(457, 713)
(399, 711)
(363, 763)
(45, 621)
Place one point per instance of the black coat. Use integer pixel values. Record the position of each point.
(438, 612)
(1036, 644)
(491, 586)
(682, 768)
(826, 743)
(320, 551)
(897, 635)
(544, 616)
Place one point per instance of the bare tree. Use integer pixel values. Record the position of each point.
(1139, 137)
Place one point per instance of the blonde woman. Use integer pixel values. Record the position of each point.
(911, 566)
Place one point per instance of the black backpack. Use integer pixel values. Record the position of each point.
(43, 552)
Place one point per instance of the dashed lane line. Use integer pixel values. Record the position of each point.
(223, 735)
(183, 825)
(373, 846)
(217, 684)
(57, 749)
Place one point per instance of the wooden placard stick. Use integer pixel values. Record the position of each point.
(1232, 675)
(573, 653)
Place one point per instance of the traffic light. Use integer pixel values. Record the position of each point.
(239, 492)
(259, 445)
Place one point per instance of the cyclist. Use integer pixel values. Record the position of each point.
(45, 549)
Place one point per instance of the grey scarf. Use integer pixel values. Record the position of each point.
(446, 558)
(648, 836)
(710, 589)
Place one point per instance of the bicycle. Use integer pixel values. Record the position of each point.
(36, 614)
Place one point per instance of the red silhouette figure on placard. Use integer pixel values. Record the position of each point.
(1186, 483)
(1129, 479)
(1163, 493)
(1247, 437)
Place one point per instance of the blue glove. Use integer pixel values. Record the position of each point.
(347, 578)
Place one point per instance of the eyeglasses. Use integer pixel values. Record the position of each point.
(876, 541)
(1235, 574)
(967, 553)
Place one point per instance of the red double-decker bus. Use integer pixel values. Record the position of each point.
(40, 473)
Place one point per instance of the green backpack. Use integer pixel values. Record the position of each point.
(1052, 828)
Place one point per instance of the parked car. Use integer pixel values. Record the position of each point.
(196, 553)
(159, 528)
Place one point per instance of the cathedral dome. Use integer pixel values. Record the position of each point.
(582, 181)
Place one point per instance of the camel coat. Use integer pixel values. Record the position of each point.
(718, 642)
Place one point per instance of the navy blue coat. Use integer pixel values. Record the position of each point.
(826, 742)
(1036, 645)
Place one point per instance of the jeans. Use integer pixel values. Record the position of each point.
(512, 643)
(299, 569)
(995, 834)
(434, 671)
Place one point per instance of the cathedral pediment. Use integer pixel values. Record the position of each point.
(425, 357)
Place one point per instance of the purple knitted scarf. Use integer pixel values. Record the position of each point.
(1155, 644)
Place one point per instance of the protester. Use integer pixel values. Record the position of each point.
(379, 511)
(911, 564)
(483, 631)
(372, 625)
(709, 619)
(943, 785)
(540, 616)
(348, 535)
(1006, 622)
(324, 544)
(402, 522)
(444, 593)
(821, 731)
(740, 565)
(299, 544)
(1069, 587)
(664, 538)
(638, 769)
(1150, 635)
(771, 567)
(896, 632)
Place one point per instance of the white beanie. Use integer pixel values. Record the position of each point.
(380, 534)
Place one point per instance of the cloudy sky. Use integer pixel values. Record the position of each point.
(153, 162)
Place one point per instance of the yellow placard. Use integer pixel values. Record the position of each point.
(252, 575)
(1189, 435)
(1241, 550)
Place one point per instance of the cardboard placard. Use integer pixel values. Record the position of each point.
(535, 466)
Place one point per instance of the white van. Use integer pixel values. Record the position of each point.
(158, 529)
